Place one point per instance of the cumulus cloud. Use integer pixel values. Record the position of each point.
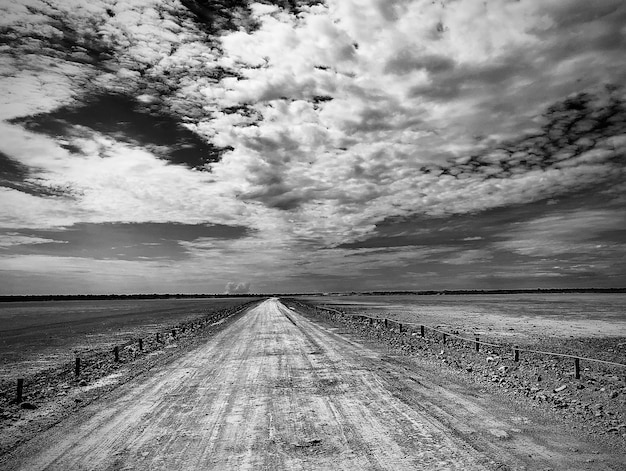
(241, 287)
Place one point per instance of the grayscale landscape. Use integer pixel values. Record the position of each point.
(312, 235)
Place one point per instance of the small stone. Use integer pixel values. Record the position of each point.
(28, 405)
(613, 395)
(82, 382)
(469, 369)
(560, 388)
(499, 434)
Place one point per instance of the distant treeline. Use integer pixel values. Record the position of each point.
(477, 291)
(97, 297)
(79, 297)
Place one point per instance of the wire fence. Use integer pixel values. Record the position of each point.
(138, 345)
(476, 340)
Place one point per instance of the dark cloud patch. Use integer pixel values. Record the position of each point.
(215, 16)
(11, 170)
(125, 119)
(17, 176)
(59, 38)
(481, 229)
(122, 241)
(575, 131)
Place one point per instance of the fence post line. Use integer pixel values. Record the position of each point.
(20, 390)
(77, 367)
(516, 353)
(477, 344)
(577, 368)
(116, 352)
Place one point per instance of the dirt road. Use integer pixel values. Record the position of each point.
(277, 391)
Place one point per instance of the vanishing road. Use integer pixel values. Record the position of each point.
(276, 391)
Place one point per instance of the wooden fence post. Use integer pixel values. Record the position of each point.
(516, 353)
(443, 336)
(141, 345)
(400, 327)
(77, 367)
(477, 344)
(158, 337)
(422, 330)
(371, 321)
(577, 368)
(116, 352)
(20, 390)
(386, 323)
(174, 333)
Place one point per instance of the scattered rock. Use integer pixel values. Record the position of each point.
(613, 394)
(560, 388)
(499, 434)
(82, 382)
(28, 405)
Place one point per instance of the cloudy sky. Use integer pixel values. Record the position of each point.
(191, 146)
